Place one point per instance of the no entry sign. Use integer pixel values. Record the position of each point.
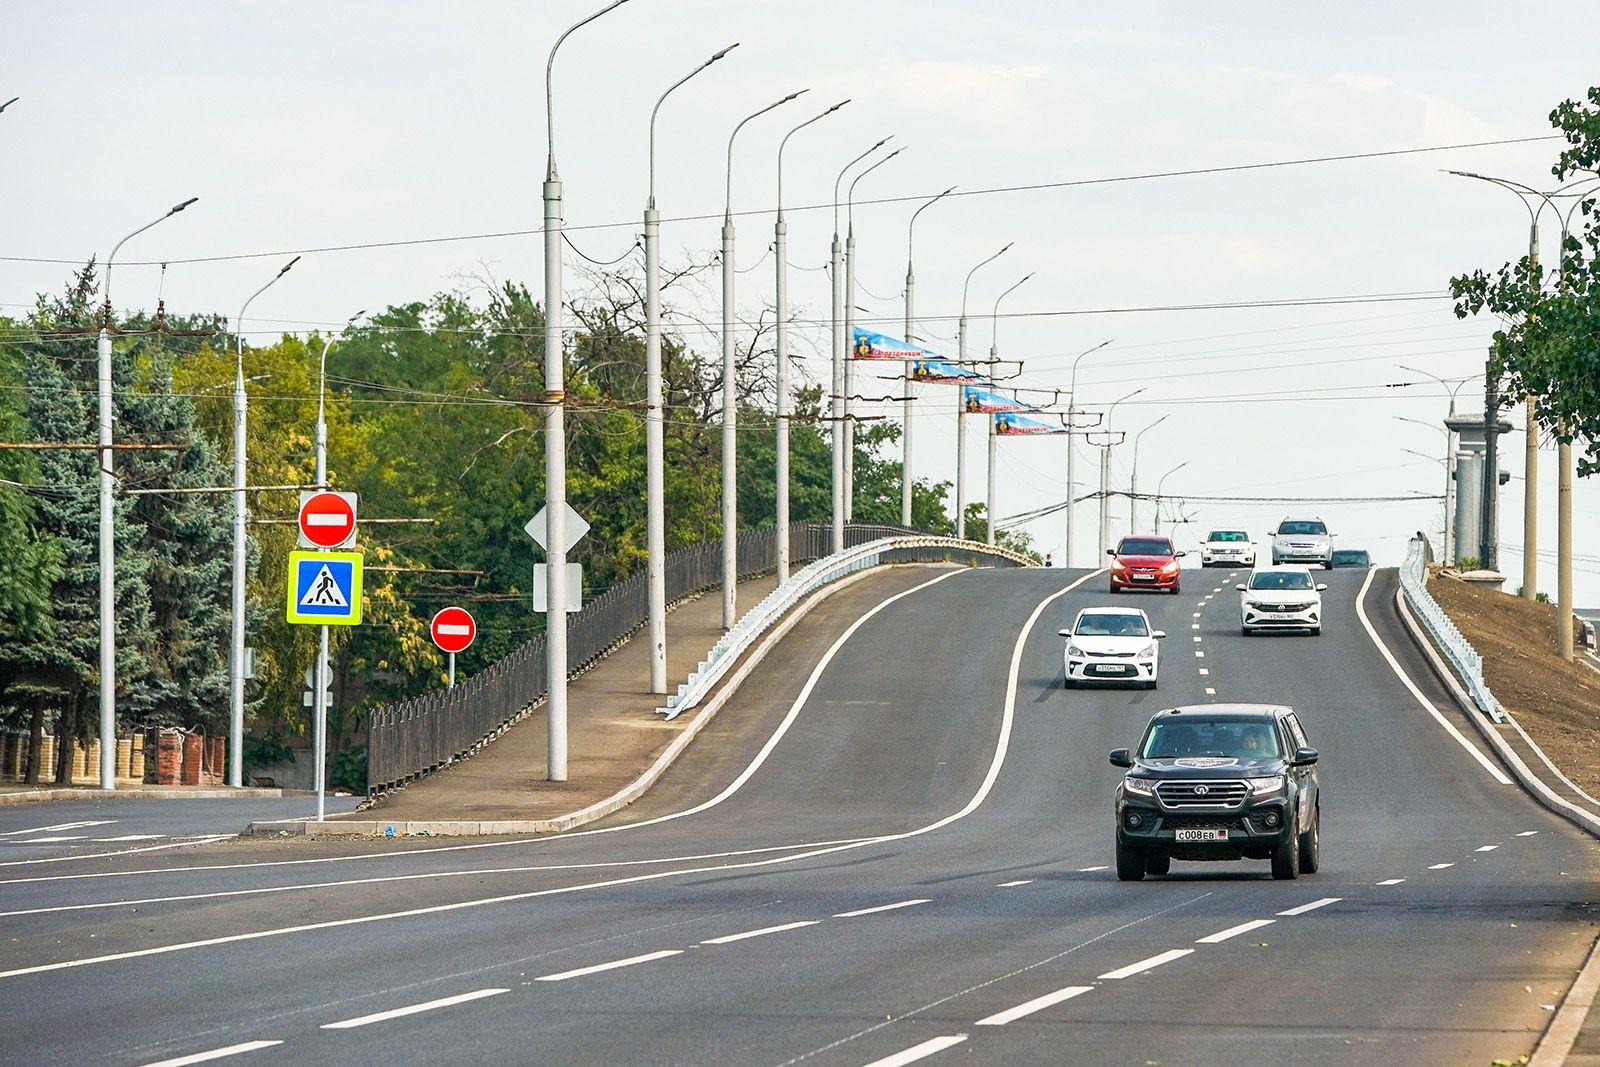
(453, 630)
(327, 520)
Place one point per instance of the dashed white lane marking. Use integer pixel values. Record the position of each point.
(631, 961)
(1440, 866)
(1194, 626)
(1313, 906)
(414, 1009)
(120, 852)
(215, 1054)
(919, 1052)
(1527, 833)
(880, 907)
(1486, 848)
(130, 837)
(728, 939)
(1089, 870)
(1196, 615)
(1391, 881)
(1019, 881)
(1011, 1015)
(1210, 692)
(1234, 931)
(1147, 965)
(1205, 670)
(58, 827)
(1198, 654)
(1198, 639)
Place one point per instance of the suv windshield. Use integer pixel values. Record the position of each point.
(1178, 736)
(1356, 557)
(1144, 546)
(1110, 625)
(1227, 535)
(1281, 580)
(1314, 526)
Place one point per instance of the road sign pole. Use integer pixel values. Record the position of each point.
(319, 704)
(555, 482)
(452, 684)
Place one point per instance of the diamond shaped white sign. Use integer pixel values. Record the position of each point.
(574, 528)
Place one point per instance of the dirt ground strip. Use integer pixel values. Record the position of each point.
(1558, 703)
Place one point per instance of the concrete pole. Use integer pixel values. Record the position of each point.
(1530, 464)
(1072, 463)
(910, 386)
(1564, 548)
(849, 372)
(780, 243)
(1105, 497)
(108, 565)
(961, 433)
(1488, 526)
(989, 506)
(836, 287)
(730, 436)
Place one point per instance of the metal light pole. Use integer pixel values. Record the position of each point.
(1105, 472)
(1449, 478)
(1072, 448)
(849, 331)
(1133, 478)
(780, 243)
(961, 409)
(836, 284)
(654, 442)
(910, 382)
(994, 355)
(108, 519)
(1159, 483)
(555, 435)
(730, 391)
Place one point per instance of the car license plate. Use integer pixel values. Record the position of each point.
(1186, 836)
(1108, 668)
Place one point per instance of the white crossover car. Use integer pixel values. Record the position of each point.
(1228, 548)
(1303, 541)
(1281, 598)
(1111, 645)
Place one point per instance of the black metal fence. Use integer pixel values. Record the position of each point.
(410, 738)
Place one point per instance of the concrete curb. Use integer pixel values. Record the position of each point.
(618, 800)
(146, 792)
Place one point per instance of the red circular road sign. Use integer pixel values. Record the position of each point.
(453, 629)
(328, 520)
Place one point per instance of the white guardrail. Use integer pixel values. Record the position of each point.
(801, 584)
(1461, 656)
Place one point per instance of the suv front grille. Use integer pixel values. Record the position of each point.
(1184, 794)
(1201, 822)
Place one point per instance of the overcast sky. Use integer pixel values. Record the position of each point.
(304, 125)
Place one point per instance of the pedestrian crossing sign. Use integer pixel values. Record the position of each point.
(324, 588)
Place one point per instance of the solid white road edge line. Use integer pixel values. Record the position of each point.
(880, 908)
(1011, 1015)
(562, 976)
(1147, 965)
(728, 939)
(1234, 931)
(215, 1054)
(414, 1009)
(1562, 1034)
(919, 1052)
(1313, 906)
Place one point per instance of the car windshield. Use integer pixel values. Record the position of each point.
(1352, 555)
(1111, 625)
(1315, 527)
(1178, 736)
(1144, 546)
(1281, 580)
(1228, 535)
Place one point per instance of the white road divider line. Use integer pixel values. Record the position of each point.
(1391, 881)
(1440, 866)
(1198, 654)
(1147, 965)
(58, 827)
(1234, 931)
(130, 837)
(1049, 1000)
(1091, 870)
(49, 840)
(1205, 670)
(728, 939)
(631, 961)
(1313, 906)
(414, 1009)
(1019, 881)
(881, 908)
(1527, 833)
(1486, 848)
(1197, 639)
(215, 1054)
(1210, 692)
(919, 1052)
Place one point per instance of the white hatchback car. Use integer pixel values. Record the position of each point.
(1111, 645)
(1227, 548)
(1281, 598)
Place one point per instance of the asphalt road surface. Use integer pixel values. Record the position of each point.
(892, 847)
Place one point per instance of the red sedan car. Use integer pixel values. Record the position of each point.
(1144, 563)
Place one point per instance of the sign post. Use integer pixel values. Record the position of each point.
(453, 630)
(570, 528)
(324, 589)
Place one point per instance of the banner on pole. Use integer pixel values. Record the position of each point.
(943, 371)
(1015, 424)
(870, 345)
(980, 400)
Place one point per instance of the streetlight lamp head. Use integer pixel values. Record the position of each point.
(1006, 249)
(183, 205)
(722, 53)
(837, 106)
(791, 96)
(287, 265)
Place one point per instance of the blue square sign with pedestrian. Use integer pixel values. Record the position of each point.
(324, 588)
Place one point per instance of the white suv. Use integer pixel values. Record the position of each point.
(1111, 645)
(1228, 548)
(1281, 598)
(1303, 541)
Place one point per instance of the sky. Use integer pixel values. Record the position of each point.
(315, 125)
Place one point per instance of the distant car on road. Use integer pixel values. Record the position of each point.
(1302, 541)
(1111, 645)
(1144, 562)
(1227, 548)
(1351, 557)
(1281, 598)
(1219, 782)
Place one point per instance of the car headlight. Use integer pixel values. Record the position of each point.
(1149, 650)
(1262, 786)
(1170, 567)
(1074, 650)
(1142, 786)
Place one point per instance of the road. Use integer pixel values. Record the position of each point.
(892, 846)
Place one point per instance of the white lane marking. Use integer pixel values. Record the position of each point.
(1486, 848)
(1198, 639)
(1210, 692)
(879, 908)
(1002, 745)
(1147, 965)
(1198, 654)
(1019, 881)
(1527, 833)
(1089, 870)
(1205, 670)
(1028, 1007)
(919, 1052)
(1313, 906)
(53, 839)
(1405, 679)
(1234, 931)
(101, 856)
(58, 827)
(1196, 615)
(1440, 866)
(1391, 881)
(414, 1009)
(631, 961)
(728, 939)
(1194, 626)
(131, 837)
(215, 1054)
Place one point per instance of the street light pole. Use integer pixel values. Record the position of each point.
(910, 382)
(654, 442)
(1133, 478)
(1072, 449)
(730, 391)
(850, 336)
(1105, 473)
(780, 242)
(994, 355)
(961, 409)
(555, 435)
(1160, 482)
(1449, 454)
(108, 520)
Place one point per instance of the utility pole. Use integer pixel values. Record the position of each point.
(1133, 478)
(1072, 449)
(850, 334)
(994, 356)
(1105, 470)
(1488, 523)
(910, 382)
(1160, 483)
(961, 409)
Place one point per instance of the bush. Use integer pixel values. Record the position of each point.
(349, 771)
(1469, 563)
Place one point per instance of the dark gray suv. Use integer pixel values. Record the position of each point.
(1219, 782)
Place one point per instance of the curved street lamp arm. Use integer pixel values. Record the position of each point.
(784, 143)
(171, 211)
(845, 170)
(238, 323)
(662, 100)
(850, 198)
(994, 319)
(728, 207)
(968, 283)
(549, 96)
(912, 225)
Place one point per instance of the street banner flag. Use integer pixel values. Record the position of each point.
(869, 345)
(324, 588)
(938, 370)
(978, 400)
(1013, 424)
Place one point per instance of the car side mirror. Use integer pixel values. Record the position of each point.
(1158, 634)
(1240, 588)
(1063, 633)
(1305, 756)
(1121, 757)
(1111, 552)
(1321, 586)
(1176, 555)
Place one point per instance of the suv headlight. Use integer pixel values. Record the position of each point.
(1074, 650)
(1260, 787)
(1142, 786)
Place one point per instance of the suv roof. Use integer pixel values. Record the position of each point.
(1236, 711)
(1119, 610)
(1300, 568)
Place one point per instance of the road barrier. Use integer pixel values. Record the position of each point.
(1462, 657)
(411, 738)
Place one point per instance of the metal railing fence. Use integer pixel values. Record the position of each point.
(1461, 656)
